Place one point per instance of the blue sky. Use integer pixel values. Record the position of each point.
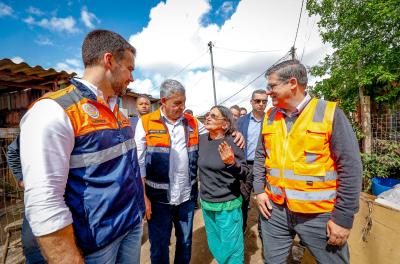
(171, 37)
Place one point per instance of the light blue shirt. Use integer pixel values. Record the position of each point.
(253, 133)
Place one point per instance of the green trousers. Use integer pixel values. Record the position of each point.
(225, 235)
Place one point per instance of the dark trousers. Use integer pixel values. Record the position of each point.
(279, 230)
(245, 189)
(163, 216)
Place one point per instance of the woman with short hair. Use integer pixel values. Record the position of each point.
(221, 166)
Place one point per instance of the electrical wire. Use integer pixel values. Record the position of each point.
(298, 23)
(247, 51)
(184, 68)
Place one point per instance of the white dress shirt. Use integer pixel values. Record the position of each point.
(180, 185)
(46, 142)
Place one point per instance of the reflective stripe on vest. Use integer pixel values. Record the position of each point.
(104, 187)
(300, 167)
(89, 159)
(158, 153)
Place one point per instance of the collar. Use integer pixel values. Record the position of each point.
(254, 118)
(165, 118)
(112, 100)
(299, 108)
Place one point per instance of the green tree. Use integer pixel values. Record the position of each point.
(365, 35)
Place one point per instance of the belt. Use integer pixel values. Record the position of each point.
(250, 162)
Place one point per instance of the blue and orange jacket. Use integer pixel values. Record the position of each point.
(104, 189)
(158, 153)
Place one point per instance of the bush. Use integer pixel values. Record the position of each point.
(383, 164)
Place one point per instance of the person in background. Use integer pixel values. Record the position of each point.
(83, 191)
(235, 110)
(30, 246)
(243, 111)
(167, 144)
(221, 166)
(250, 126)
(307, 170)
(143, 106)
(188, 111)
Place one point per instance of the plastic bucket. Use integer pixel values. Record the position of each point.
(380, 185)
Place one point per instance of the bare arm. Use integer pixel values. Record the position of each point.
(59, 247)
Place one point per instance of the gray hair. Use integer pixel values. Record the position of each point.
(169, 86)
(289, 69)
(227, 115)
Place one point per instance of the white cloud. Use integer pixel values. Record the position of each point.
(17, 59)
(43, 41)
(5, 10)
(58, 24)
(88, 18)
(175, 36)
(35, 11)
(70, 66)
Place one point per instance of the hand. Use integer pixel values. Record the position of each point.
(226, 153)
(21, 185)
(264, 205)
(238, 139)
(337, 234)
(148, 207)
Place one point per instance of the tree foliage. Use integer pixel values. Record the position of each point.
(365, 35)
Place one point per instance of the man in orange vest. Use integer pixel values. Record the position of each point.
(307, 171)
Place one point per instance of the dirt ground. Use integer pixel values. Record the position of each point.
(200, 251)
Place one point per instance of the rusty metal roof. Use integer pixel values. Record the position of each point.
(21, 75)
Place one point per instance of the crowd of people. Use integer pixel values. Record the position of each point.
(91, 175)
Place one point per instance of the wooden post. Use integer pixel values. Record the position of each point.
(365, 105)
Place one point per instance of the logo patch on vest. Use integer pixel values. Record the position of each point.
(91, 110)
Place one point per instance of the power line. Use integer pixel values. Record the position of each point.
(298, 23)
(184, 68)
(247, 85)
(248, 51)
(228, 70)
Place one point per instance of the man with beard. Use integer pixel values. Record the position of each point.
(83, 190)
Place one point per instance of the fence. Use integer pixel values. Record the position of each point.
(11, 204)
(385, 131)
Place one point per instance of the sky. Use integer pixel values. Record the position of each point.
(171, 38)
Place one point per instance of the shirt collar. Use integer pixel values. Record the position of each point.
(112, 100)
(163, 116)
(253, 117)
(300, 107)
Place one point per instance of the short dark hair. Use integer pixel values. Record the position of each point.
(227, 115)
(289, 69)
(100, 41)
(259, 91)
(236, 107)
(242, 108)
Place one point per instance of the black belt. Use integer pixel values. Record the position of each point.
(250, 162)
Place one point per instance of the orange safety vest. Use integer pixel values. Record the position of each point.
(300, 166)
(158, 154)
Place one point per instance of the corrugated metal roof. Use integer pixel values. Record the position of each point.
(21, 75)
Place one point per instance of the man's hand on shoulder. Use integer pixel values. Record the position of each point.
(337, 234)
(238, 139)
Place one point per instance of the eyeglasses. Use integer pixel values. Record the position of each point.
(271, 87)
(213, 116)
(257, 101)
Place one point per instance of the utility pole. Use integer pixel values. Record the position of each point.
(212, 71)
(293, 52)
